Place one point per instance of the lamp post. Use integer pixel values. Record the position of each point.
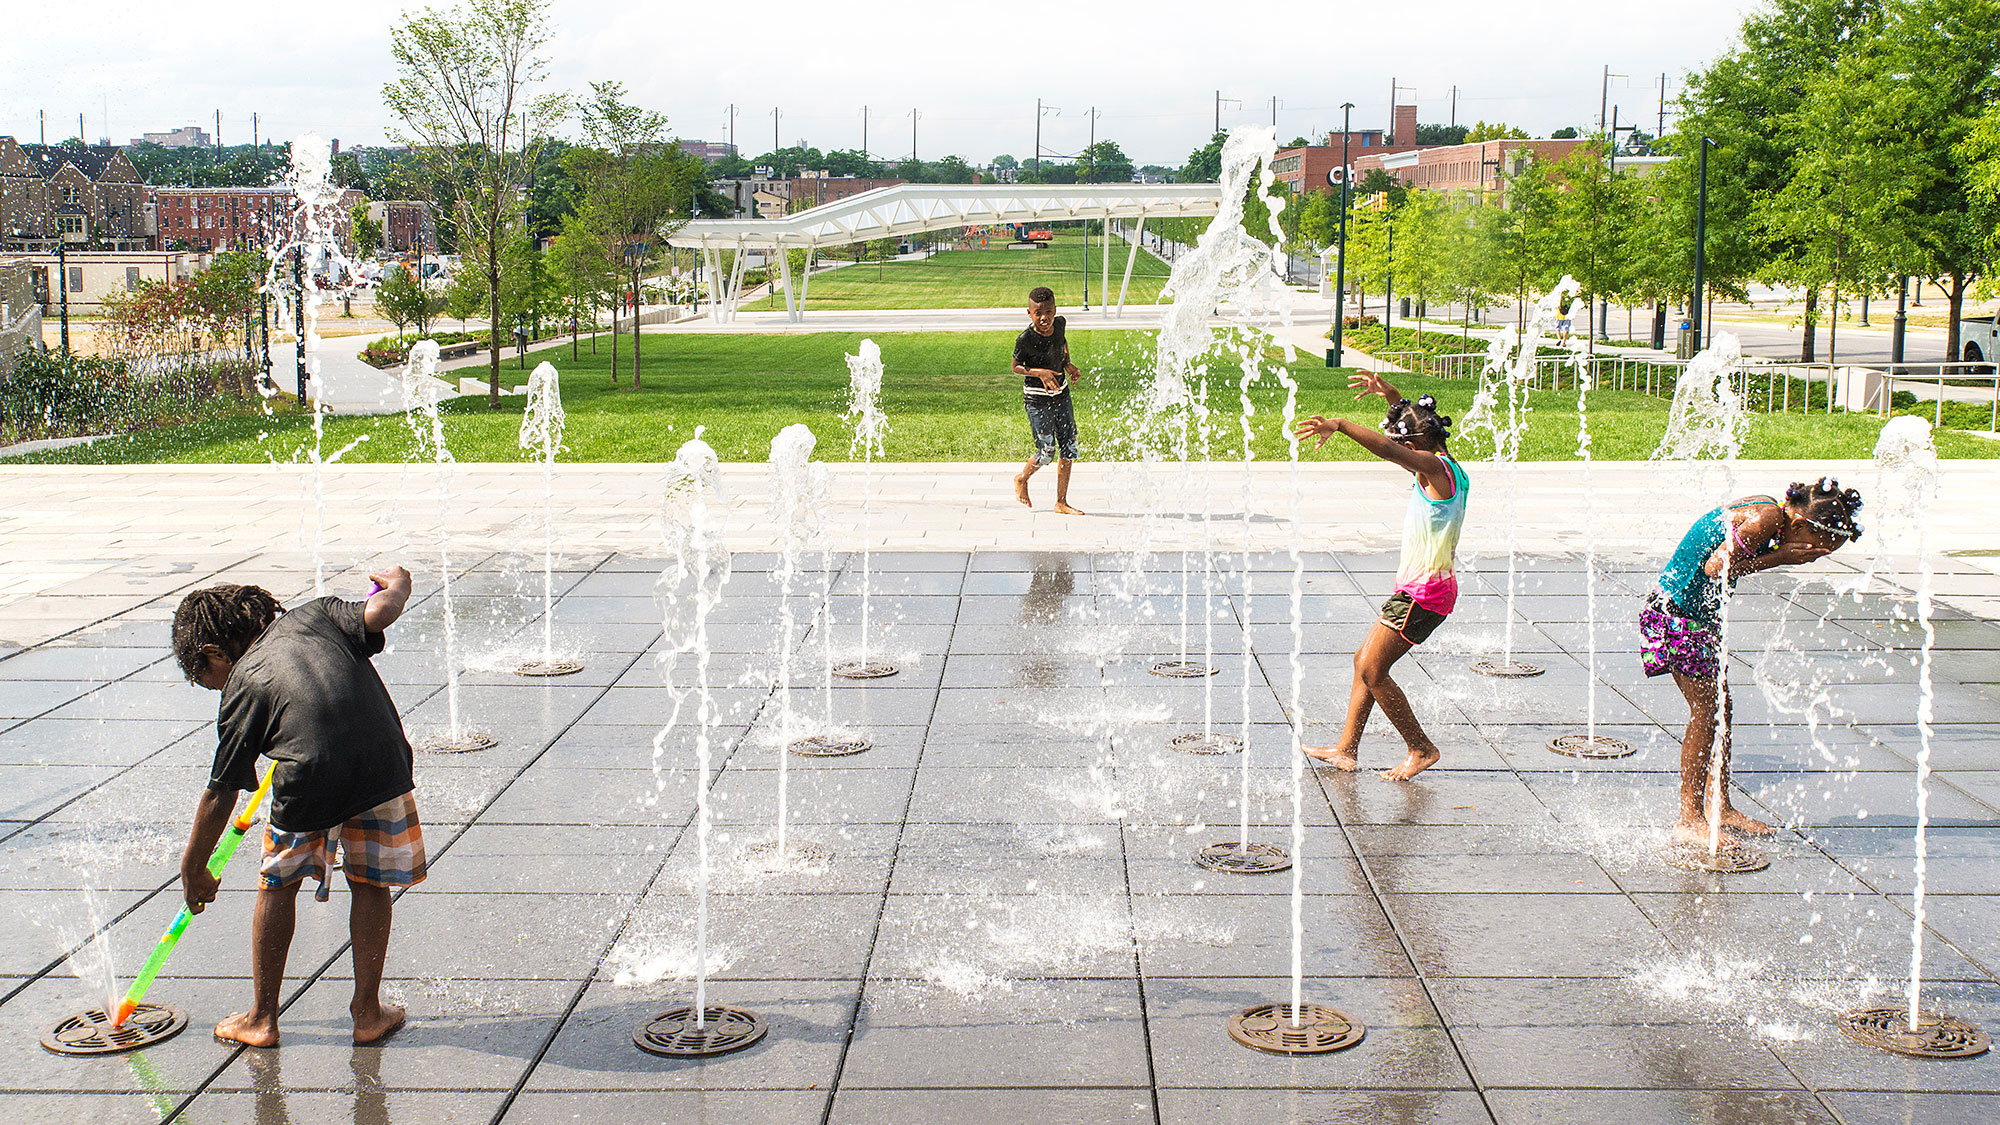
(1700, 239)
(62, 269)
(299, 317)
(1340, 263)
(1896, 334)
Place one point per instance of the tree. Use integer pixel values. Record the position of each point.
(1104, 163)
(1204, 165)
(633, 177)
(1566, 133)
(1498, 131)
(1587, 218)
(366, 232)
(1005, 163)
(465, 297)
(1941, 67)
(463, 78)
(1441, 134)
(1747, 103)
(1301, 142)
(402, 301)
(1378, 182)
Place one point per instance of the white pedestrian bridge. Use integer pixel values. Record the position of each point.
(909, 209)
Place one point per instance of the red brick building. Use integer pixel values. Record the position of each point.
(815, 190)
(1304, 169)
(233, 218)
(1479, 166)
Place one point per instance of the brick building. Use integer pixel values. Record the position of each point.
(813, 189)
(211, 220)
(90, 197)
(1305, 168)
(1479, 166)
(407, 225)
(187, 136)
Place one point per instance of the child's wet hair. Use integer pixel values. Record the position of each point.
(1418, 419)
(1827, 506)
(1041, 295)
(230, 617)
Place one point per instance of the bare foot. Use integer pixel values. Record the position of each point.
(1334, 756)
(1417, 762)
(250, 1031)
(378, 1024)
(1694, 834)
(1021, 491)
(1749, 826)
(1062, 506)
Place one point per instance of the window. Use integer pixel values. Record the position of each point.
(76, 279)
(131, 278)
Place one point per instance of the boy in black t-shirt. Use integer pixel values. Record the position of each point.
(1041, 358)
(299, 688)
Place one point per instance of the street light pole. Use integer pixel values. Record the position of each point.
(1340, 262)
(62, 267)
(299, 317)
(1700, 239)
(1896, 334)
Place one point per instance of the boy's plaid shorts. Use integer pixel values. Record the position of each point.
(383, 847)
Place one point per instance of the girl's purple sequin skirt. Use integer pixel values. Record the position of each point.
(1672, 643)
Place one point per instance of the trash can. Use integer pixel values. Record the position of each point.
(1403, 308)
(1684, 347)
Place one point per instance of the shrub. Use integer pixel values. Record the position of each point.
(52, 395)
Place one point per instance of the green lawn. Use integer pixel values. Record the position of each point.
(986, 278)
(947, 397)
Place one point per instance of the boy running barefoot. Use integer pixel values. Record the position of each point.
(1041, 358)
(1680, 631)
(1426, 585)
(299, 688)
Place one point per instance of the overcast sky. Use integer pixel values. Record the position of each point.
(972, 71)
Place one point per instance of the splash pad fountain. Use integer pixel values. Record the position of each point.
(690, 586)
(1906, 464)
(542, 433)
(1511, 364)
(420, 413)
(864, 380)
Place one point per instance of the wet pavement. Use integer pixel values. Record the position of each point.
(1002, 921)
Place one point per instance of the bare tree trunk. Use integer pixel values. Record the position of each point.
(1812, 312)
(1951, 344)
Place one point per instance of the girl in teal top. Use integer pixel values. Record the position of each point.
(1426, 582)
(1680, 631)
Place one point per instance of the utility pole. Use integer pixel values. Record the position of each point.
(1391, 134)
(256, 138)
(1340, 261)
(218, 132)
(774, 138)
(913, 134)
(42, 118)
(1037, 161)
(1603, 97)
(732, 128)
(1218, 113)
(1274, 111)
(1660, 127)
(864, 132)
(1454, 107)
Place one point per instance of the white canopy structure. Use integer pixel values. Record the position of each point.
(907, 209)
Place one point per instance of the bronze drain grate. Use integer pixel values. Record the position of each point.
(465, 743)
(828, 746)
(1244, 859)
(863, 670)
(1269, 1027)
(1589, 746)
(1182, 669)
(673, 1032)
(1507, 669)
(548, 668)
(1730, 859)
(91, 1033)
(1192, 743)
(1936, 1036)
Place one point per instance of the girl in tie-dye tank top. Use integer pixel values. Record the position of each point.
(1426, 582)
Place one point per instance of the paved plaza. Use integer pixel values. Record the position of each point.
(999, 920)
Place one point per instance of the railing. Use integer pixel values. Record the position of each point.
(1955, 374)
